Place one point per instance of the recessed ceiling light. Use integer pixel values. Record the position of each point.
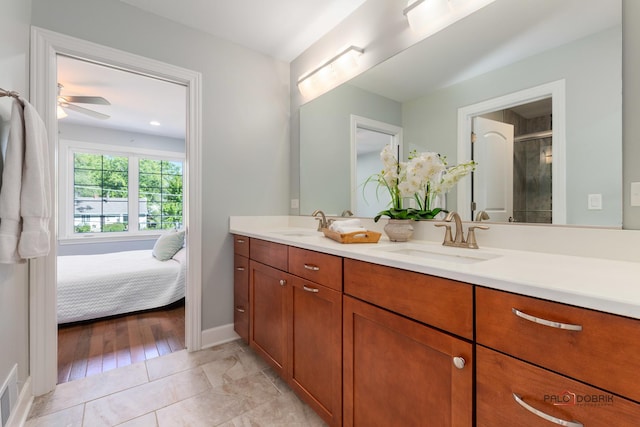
(154, 123)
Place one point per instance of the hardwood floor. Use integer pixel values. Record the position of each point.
(89, 348)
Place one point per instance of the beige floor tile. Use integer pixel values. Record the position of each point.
(227, 385)
(220, 404)
(285, 411)
(234, 367)
(70, 417)
(137, 401)
(182, 360)
(86, 389)
(148, 420)
(205, 410)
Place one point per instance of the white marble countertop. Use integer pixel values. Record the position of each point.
(605, 285)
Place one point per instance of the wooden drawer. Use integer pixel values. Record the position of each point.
(269, 253)
(605, 353)
(315, 266)
(241, 245)
(499, 376)
(443, 303)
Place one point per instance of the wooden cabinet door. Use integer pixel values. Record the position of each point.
(316, 348)
(398, 372)
(269, 308)
(241, 296)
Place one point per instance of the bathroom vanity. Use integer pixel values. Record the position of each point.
(397, 334)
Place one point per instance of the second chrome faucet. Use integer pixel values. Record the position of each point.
(458, 240)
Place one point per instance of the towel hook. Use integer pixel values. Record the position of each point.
(11, 93)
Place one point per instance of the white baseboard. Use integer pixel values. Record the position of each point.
(21, 412)
(218, 335)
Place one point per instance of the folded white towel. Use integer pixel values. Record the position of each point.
(347, 226)
(345, 230)
(355, 222)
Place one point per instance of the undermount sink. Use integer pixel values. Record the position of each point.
(439, 253)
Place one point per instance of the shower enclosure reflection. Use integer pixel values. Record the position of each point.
(515, 147)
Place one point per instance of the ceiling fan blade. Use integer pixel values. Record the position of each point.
(87, 100)
(86, 111)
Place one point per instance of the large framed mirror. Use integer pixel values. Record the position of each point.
(503, 49)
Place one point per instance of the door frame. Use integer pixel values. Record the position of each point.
(375, 125)
(45, 45)
(555, 90)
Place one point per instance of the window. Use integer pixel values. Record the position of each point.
(107, 186)
(160, 194)
(100, 193)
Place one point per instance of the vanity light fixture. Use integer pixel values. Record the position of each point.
(338, 66)
(427, 17)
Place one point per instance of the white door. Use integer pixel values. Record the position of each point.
(493, 178)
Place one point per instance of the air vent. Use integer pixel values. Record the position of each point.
(9, 395)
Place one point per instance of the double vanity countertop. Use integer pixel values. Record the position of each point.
(601, 284)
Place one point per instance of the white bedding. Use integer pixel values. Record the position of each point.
(94, 286)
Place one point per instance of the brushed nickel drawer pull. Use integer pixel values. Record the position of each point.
(459, 362)
(240, 240)
(240, 310)
(308, 289)
(283, 282)
(240, 268)
(542, 415)
(550, 323)
(311, 267)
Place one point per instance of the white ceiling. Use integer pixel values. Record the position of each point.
(285, 28)
(282, 29)
(279, 28)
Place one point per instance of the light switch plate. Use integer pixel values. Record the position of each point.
(295, 203)
(635, 194)
(594, 202)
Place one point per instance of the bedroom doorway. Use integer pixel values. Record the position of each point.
(121, 152)
(46, 46)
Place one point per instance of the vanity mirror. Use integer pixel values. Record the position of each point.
(504, 49)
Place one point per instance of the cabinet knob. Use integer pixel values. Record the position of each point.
(283, 282)
(459, 362)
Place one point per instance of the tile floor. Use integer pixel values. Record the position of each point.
(227, 385)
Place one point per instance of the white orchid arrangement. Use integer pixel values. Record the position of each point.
(423, 177)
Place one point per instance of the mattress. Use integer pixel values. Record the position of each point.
(95, 286)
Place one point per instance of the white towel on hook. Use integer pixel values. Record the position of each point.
(25, 195)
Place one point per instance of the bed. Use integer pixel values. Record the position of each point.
(95, 286)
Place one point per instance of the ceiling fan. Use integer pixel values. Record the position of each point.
(68, 102)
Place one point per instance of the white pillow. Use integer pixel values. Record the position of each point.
(168, 244)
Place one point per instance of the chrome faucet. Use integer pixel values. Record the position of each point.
(458, 240)
(322, 221)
